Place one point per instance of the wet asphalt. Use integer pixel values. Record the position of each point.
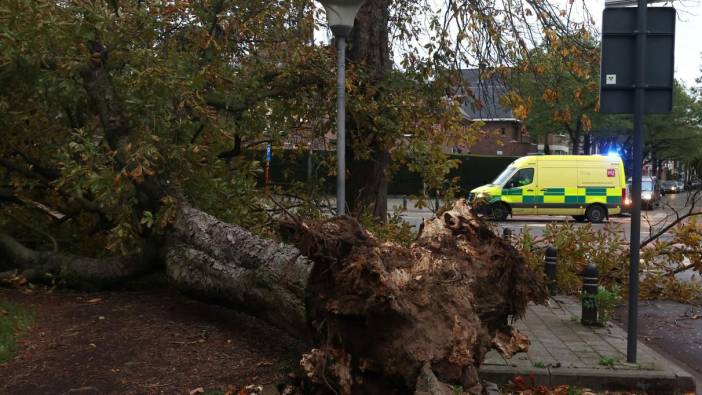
(674, 330)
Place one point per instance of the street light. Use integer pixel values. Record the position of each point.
(340, 17)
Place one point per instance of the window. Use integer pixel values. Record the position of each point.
(506, 173)
(502, 131)
(521, 178)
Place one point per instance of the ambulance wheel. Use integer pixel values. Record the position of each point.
(596, 214)
(579, 218)
(499, 211)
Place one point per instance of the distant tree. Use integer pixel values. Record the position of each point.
(555, 87)
(675, 136)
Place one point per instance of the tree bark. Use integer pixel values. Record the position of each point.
(575, 144)
(210, 259)
(367, 180)
(74, 271)
(587, 145)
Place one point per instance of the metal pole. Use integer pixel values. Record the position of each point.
(635, 237)
(309, 166)
(341, 126)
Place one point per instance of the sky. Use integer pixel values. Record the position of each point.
(688, 37)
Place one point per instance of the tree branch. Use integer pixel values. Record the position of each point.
(669, 227)
(75, 271)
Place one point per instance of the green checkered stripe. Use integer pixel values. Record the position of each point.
(575, 196)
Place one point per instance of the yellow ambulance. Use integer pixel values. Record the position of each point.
(586, 187)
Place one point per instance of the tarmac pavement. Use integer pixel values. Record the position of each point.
(563, 351)
(651, 220)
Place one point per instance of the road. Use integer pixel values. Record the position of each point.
(652, 220)
(673, 329)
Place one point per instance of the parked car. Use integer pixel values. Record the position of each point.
(670, 187)
(626, 203)
(681, 186)
(650, 194)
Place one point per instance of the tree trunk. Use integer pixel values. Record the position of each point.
(203, 256)
(575, 144)
(369, 41)
(587, 145)
(369, 46)
(367, 185)
(210, 259)
(73, 271)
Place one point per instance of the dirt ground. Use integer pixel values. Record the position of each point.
(140, 342)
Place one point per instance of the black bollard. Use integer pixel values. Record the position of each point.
(404, 202)
(550, 260)
(507, 233)
(590, 287)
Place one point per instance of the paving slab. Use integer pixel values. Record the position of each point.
(563, 351)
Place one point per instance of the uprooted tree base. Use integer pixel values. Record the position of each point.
(384, 318)
(390, 319)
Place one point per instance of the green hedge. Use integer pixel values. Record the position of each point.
(292, 166)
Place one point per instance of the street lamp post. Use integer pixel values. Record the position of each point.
(340, 17)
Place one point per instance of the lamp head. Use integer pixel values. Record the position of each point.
(341, 14)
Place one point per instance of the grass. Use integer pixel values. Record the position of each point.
(539, 365)
(608, 362)
(13, 320)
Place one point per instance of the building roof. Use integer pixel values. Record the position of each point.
(483, 101)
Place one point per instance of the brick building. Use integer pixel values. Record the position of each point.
(502, 132)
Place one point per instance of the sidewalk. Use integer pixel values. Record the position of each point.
(563, 351)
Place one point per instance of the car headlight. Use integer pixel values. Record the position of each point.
(646, 196)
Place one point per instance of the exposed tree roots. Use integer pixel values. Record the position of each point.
(389, 319)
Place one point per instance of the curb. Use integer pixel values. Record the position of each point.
(652, 382)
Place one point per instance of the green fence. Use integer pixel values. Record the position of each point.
(473, 171)
(295, 166)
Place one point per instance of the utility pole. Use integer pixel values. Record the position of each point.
(635, 235)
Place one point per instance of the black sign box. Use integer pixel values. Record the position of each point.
(618, 68)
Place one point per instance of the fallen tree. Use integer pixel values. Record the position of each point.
(383, 317)
(118, 162)
(202, 256)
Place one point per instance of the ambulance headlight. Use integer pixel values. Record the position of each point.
(483, 195)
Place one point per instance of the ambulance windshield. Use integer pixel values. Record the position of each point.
(504, 176)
